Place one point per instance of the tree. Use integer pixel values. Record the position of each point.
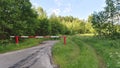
(56, 26)
(99, 21)
(43, 24)
(104, 21)
(16, 17)
(89, 27)
(41, 13)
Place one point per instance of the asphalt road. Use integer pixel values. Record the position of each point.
(35, 57)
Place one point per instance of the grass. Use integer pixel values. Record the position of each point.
(87, 52)
(108, 49)
(22, 45)
(75, 54)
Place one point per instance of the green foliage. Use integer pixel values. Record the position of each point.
(76, 25)
(16, 18)
(44, 27)
(104, 22)
(56, 27)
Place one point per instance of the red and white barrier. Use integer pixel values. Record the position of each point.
(36, 36)
(17, 37)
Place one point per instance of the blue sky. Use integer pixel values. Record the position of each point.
(77, 8)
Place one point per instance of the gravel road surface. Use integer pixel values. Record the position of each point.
(35, 57)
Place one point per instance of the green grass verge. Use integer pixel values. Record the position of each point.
(75, 54)
(87, 52)
(22, 45)
(108, 49)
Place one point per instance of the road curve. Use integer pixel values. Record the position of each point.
(35, 57)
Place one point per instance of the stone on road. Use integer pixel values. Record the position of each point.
(35, 57)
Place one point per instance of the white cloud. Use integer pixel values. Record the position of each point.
(68, 8)
(58, 2)
(56, 11)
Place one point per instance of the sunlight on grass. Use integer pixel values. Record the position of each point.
(74, 55)
(86, 34)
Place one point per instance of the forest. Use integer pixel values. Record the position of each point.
(19, 18)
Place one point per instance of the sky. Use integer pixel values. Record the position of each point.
(76, 8)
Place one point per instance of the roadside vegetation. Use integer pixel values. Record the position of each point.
(87, 52)
(11, 46)
(108, 49)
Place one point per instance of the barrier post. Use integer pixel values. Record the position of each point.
(64, 40)
(17, 39)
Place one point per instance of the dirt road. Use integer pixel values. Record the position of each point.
(35, 57)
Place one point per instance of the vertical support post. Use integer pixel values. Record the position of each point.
(16, 39)
(64, 40)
